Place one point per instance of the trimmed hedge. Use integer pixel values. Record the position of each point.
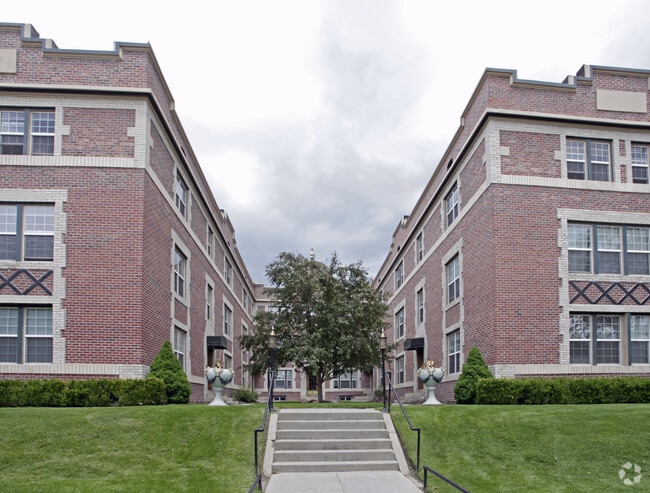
(82, 393)
(168, 368)
(562, 390)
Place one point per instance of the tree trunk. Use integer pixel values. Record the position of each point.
(319, 385)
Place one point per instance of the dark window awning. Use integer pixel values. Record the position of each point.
(413, 343)
(217, 342)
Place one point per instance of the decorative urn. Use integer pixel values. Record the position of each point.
(219, 377)
(431, 375)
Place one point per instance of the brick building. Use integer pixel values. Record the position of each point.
(111, 241)
(531, 241)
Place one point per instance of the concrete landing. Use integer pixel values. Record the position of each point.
(342, 482)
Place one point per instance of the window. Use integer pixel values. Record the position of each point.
(179, 345)
(419, 301)
(638, 250)
(283, 379)
(451, 205)
(399, 323)
(227, 271)
(227, 361)
(606, 338)
(26, 232)
(419, 248)
(27, 132)
(453, 352)
(180, 267)
(209, 302)
(210, 243)
(182, 193)
(640, 339)
(599, 249)
(453, 279)
(227, 320)
(588, 160)
(347, 380)
(245, 298)
(399, 275)
(580, 339)
(639, 164)
(26, 335)
(399, 370)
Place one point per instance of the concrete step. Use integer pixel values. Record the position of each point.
(333, 455)
(325, 424)
(331, 434)
(331, 440)
(339, 466)
(329, 414)
(337, 444)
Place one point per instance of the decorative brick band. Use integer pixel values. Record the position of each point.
(36, 282)
(615, 293)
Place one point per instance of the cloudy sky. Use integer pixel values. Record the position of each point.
(318, 123)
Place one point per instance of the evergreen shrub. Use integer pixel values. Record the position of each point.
(474, 369)
(168, 368)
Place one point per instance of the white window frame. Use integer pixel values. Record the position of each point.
(399, 274)
(400, 323)
(419, 305)
(227, 271)
(453, 352)
(625, 248)
(181, 194)
(26, 129)
(451, 206)
(23, 222)
(419, 247)
(452, 270)
(584, 156)
(180, 272)
(180, 345)
(639, 171)
(400, 370)
(347, 381)
(209, 243)
(640, 336)
(227, 320)
(284, 375)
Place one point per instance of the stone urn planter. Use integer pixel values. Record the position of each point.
(219, 377)
(431, 375)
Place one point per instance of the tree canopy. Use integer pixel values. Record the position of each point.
(327, 318)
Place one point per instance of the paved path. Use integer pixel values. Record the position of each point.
(342, 482)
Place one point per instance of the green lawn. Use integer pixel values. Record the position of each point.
(196, 448)
(190, 448)
(549, 449)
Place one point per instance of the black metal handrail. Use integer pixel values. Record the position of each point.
(269, 404)
(408, 420)
(448, 481)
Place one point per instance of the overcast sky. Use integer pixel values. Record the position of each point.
(318, 123)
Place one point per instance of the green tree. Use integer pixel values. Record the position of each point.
(328, 318)
(167, 367)
(474, 369)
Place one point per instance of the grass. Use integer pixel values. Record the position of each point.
(194, 448)
(549, 449)
(188, 448)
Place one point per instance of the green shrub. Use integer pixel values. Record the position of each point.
(136, 392)
(245, 395)
(558, 390)
(166, 367)
(89, 393)
(474, 369)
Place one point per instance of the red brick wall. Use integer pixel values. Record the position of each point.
(98, 132)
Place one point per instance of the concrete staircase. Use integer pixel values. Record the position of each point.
(332, 440)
